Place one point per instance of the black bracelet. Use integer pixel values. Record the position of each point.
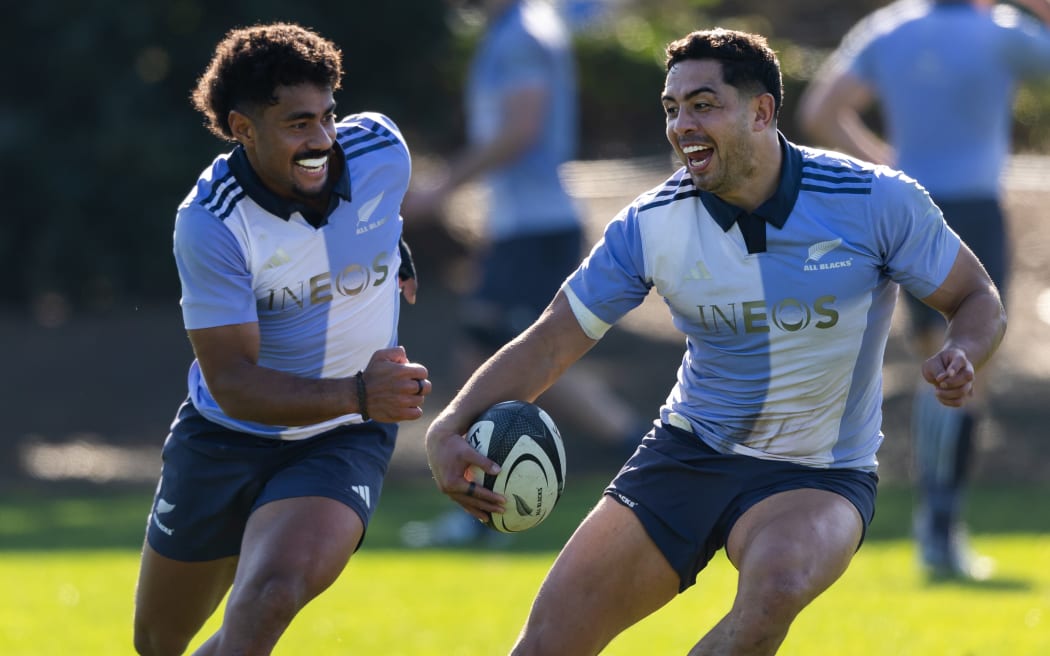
(362, 396)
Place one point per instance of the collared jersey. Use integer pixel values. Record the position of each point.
(325, 298)
(945, 76)
(784, 346)
(526, 46)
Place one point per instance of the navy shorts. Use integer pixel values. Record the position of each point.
(981, 225)
(688, 496)
(519, 278)
(213, 478)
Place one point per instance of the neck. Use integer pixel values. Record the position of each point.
(762, 177)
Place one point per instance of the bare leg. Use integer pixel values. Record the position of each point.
(174, 599)
(607, 577)
(788, 549)
(293, 549)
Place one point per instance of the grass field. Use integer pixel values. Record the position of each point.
(68, 563)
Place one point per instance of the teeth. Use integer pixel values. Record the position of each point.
(693, 149)
(312, 163)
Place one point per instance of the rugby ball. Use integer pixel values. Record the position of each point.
(524, 441)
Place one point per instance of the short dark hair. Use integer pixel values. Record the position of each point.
(747, 60)
(250, 63)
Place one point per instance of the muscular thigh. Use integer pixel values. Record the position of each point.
(689, 496)
(799, 540)
(607, 577)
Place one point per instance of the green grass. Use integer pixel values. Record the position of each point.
(68, 564)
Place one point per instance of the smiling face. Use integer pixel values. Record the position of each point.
(719, 132)
(289, 144)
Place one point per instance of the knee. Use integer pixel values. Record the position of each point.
(270, 600)
(776, 601)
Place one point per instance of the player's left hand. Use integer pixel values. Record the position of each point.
(407, 280)
(409, 288)
(952, 375)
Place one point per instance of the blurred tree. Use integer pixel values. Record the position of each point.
(99, 144)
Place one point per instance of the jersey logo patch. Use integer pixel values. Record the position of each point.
(364, 493)
(698, 272)
(822, 248)
(368, 209)
(277, 259)
(364, 215)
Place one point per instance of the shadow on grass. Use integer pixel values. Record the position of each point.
(80, 516)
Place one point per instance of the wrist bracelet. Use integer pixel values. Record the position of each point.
(362, 396)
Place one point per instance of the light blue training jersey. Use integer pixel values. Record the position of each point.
(945, 76)
(325, 298)
(526, 46)
(784, 348)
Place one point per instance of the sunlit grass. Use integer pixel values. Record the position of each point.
(445, 603)
(68, 567)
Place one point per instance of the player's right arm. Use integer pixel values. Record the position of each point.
(228, 358)
(522, 370)
(220, 316)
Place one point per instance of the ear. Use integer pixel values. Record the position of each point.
(241, 126)
(764, 111)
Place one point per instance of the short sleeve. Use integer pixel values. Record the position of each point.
(917, 245)
(213, 272)
(611, 281)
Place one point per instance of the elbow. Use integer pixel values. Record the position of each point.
(229, 395)
(232, 404)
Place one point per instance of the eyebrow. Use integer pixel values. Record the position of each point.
(695, 92)
(298, 116)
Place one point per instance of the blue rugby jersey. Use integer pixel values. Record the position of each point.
(784, 347)
(945, 76)
(325, 298)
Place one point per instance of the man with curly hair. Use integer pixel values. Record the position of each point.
(290, 258)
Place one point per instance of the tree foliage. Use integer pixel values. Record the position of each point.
(99, 143)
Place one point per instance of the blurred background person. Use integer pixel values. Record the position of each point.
(521, 111)
(943, 74)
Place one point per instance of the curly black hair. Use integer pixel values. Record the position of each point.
(250, 63)
(747, 60)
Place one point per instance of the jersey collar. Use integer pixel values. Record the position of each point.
(282, 207)
(778, 207)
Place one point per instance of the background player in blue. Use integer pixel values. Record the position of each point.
(288, 253)
(781, 265)
(521, 108)
(947, 111)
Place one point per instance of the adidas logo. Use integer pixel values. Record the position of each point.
(363, 492)
(698, 272)
(277, 259)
